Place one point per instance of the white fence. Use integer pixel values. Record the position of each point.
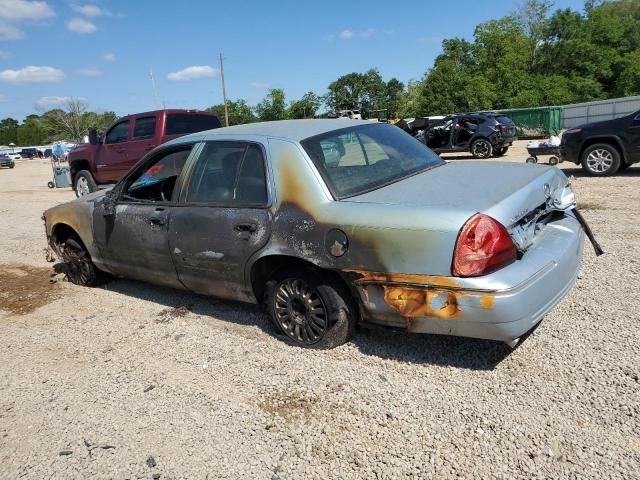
(588, 112)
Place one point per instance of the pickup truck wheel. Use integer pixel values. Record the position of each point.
(309, 310)
(481, 148)
(79, 267)
(601, 160)
(84, 184)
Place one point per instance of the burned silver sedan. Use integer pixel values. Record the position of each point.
(331, 223)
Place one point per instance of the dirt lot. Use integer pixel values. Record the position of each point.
(136, 381)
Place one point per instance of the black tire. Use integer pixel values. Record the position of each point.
(290, 296)
(51, 184)
(79, 268)
(553, 160)
(83, 183)
(601, 160)
(12, 164)
(481, 148)
(532, 160)
(498, 152)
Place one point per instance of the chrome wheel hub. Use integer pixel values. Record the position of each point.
(300, 312)
(82, 187)
(599, 160)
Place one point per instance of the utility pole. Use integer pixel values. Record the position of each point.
(155, 92)
(224, 93)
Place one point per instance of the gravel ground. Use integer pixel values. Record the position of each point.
(136, 381)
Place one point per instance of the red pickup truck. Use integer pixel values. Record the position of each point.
(106, 159)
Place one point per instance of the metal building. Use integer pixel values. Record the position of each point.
(579, 113)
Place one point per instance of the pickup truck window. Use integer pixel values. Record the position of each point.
(182, 124)
(118, 133)
(145, 127)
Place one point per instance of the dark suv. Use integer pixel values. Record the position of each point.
(482, 134)
(603, 148)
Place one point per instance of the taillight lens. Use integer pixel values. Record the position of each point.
(483, 246)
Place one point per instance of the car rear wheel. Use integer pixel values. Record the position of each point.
(12, 164)
(309, 310)
(498, 152)
(481, 148)
(78, 265)
(84, 184)
(601, 160)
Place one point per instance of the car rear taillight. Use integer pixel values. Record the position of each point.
(483, 246)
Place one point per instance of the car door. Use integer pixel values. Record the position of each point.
(112, 160)
(143, 138)
(223, 219)
(134, 240)
(632, 132)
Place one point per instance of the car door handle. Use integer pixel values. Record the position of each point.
(245, 227)
(157, 221)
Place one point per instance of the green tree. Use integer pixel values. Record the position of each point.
(393, 94)
(8, 131)
(306, 107)
(239, 112)
(273, 106)
(31, 132)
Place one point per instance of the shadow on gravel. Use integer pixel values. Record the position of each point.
(376, 341)
(442, 350)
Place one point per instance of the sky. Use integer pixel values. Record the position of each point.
(103, 51)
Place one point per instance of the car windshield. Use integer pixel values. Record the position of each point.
(359, 159)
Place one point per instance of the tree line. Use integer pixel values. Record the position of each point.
(532, 57)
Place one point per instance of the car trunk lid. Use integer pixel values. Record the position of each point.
(517, 195)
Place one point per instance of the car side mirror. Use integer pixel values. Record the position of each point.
(93, 136)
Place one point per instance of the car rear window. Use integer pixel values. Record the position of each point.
(356, 160)
(504, 120)
(182, 123)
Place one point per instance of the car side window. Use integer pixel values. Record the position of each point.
(144, 127)
(157, 180)
(251, 187)
(213, 180)
(118, 133)
(229, 173)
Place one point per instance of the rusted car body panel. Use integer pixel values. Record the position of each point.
(400, 237)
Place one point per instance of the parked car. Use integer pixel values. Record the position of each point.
(105, 160)
(331, 223)
(603, 148)
(6, 161)
(14, 156)
(350, 114)
(29, 153)
(47, 153)
(482, 134)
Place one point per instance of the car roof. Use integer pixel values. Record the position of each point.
(294, 130)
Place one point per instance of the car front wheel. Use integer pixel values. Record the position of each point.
(601, 160)
(481, 148)
(309, 310)
(498, 152)
(78, 265)
(84, 184)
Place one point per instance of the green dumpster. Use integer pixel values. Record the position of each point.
(536, 122)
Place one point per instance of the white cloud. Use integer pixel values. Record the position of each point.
(88, 10)
(346, 34)
(31, 74)
(80, 25)
(369, 32)
(4, 55)
(24, 10)
(10, 32)
(55, 101)
(110, 57)
(14, 12)
(191, 73)
(259, 85)
(90, 71)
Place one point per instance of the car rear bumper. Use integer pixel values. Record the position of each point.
(501, 306)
